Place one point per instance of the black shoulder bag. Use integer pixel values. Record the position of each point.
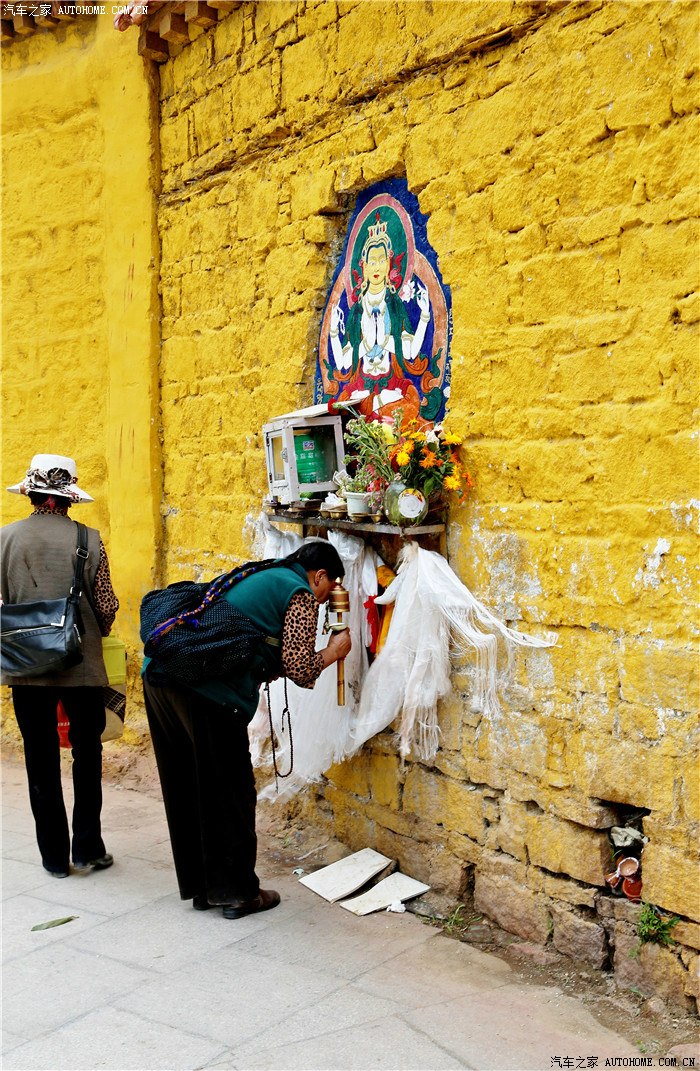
(44, 637)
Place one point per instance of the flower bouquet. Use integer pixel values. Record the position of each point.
(404, 468)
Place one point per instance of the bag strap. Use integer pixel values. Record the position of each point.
(81, 556)
(216, 590)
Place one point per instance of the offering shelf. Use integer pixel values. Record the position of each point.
(315, 520)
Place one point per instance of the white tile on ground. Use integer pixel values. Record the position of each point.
(345, 877)
(19, 877)
(12, 841)
(324, 938)
(18, 819)
(379, 897)
(117, 1041)
(346, 1007)
(128, 884)
(9, 1042)
(374, 1045)
(521, 1030)
(55, 985)
(437, 969)
(20, 913)
(164, 936)
(225, 1062)
(230, 997)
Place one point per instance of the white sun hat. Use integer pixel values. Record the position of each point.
(52, 474)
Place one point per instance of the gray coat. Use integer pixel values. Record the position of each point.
(38, 561)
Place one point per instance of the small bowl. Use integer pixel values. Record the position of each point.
(628, 866)
(632, 888)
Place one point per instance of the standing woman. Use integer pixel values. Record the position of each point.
(38, 562)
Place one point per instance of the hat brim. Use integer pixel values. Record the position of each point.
(77, 495)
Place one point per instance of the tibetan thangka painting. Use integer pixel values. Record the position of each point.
(387, 323)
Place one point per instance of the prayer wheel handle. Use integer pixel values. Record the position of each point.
(339, 608)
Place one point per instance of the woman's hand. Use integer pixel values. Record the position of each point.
(339, 646)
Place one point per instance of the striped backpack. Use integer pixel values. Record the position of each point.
(193, 634)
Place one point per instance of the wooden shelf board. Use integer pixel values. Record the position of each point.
(317, 521)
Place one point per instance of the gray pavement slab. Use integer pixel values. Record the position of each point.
(141, 981)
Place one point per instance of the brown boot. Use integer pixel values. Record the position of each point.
(264, 901)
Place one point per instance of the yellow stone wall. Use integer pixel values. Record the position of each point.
(80, 291)
(555, 153)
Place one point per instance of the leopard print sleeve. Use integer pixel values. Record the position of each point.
(301, 661)
(105, 602)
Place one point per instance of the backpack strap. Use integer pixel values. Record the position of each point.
(216, 590)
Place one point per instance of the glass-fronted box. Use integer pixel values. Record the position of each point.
(302, 453)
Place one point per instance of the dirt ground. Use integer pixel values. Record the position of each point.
(655, 1028)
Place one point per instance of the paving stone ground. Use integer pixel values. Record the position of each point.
(138, 980)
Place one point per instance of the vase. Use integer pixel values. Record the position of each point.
(404, 505)
(358, 503)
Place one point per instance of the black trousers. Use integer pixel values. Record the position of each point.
(209, 793)
(35, 708)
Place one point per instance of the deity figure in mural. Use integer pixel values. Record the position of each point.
(385, 329)
(379, 343)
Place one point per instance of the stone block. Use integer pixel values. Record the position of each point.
(654, 970)
(577, 937)
(517, 910)
(313, 194)
(687, 933)
(453, 805)
(256, 96)
(384, 780)
(352, 776)
(565, 848)
(671, 880)
(511, 832)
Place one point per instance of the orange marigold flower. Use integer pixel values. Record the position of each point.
(429, 460)
(452, 483)
(403, 458)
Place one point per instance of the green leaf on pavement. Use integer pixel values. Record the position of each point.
(53, 922)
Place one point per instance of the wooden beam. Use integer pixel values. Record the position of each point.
(173, 28)
(46, 21)
(152, 46)
(200, 14)
(225, 5)
(23, 25)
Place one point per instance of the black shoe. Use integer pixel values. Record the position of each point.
(264, 901)
(102, 863)
(200, 902)
(55, 872)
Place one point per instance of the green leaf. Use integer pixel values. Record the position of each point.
(53, 922)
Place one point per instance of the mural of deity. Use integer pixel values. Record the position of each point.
(386, 325)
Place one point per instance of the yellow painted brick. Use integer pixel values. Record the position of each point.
(444, 802)
(351, 776)
(562, 847)
(671, 880)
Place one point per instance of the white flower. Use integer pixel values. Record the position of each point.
(408, 291)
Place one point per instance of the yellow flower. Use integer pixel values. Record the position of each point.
(453, 440)
(388, 433)
(402, 458)
(452, 483)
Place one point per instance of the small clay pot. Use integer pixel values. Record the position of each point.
(632, 888)
(628, 866)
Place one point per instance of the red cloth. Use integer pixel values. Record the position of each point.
(373, 622)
